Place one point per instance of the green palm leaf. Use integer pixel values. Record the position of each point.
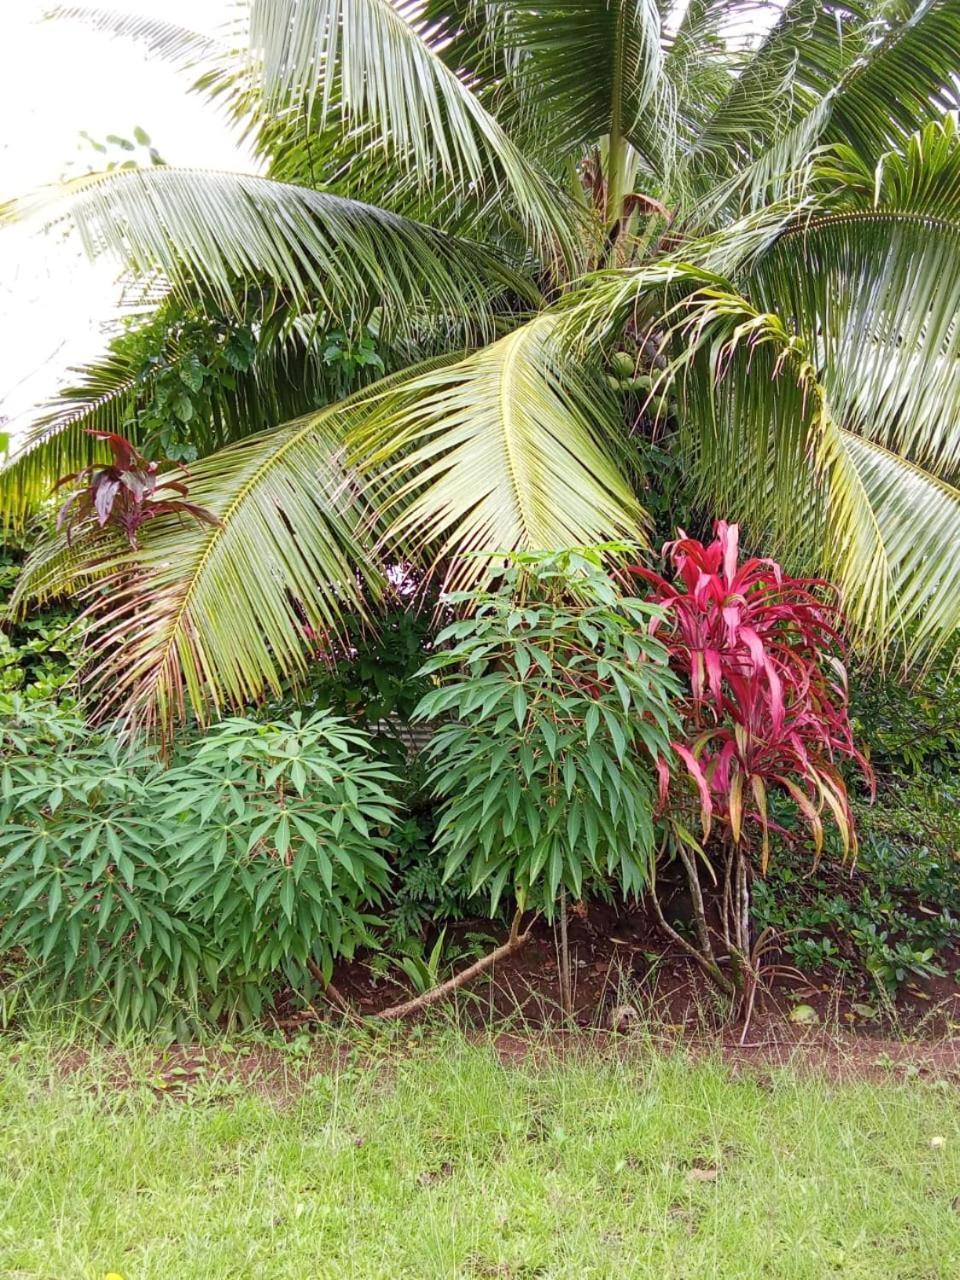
(502, 451)
(202, 617)
(901, 571)
(767, 442)
(163, 39)
(58, 442)
(595, 68)
(377, 63)
(207, 231)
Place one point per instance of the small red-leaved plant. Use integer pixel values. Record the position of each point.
(762, 659)
(124, 494)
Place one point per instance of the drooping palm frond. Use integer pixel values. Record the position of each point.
(208, 231)
(866, 74)
(766, 443)
(781, 82)
(900, 83)
(202, 617)
(894, 536)
(161, 38)
(501, 451)
(377, 61)
(58, 442)
(872, 282)
(285, 372)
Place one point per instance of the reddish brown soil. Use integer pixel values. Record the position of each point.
(632, 992)
(624, 960)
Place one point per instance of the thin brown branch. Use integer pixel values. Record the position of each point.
(332, 993)
(712, 970)
(513, 943)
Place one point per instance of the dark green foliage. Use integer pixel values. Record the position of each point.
(188, 372)
(371, 675)
(38, 655)
(421, 896)
(86, 894)
(159, 897)
(888, 919)
(553, 705)
(912, 725)
(281, 835)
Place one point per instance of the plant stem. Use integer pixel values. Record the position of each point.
(712, 970)
(566, 984)
(515, 941)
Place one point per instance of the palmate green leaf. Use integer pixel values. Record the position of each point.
(207, 231)
(378, 61)
(504, 450)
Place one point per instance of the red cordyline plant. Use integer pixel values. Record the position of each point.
(767, 710)
(124, 494)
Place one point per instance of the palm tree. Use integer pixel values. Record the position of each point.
(759, 201)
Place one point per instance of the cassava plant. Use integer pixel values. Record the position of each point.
(760, 656)
(159, 898)
(280, 857)
(554, 703)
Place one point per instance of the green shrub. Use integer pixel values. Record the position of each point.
(885, 922)
(911, 725)
(281, 848)
(552, 707)
(156, 897)
(87, 899)
(39, 655)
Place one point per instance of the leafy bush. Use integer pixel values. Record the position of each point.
(282, 836)
(124, 494)
(891, 917)
(910, 725)
(87, 897)
(554, 704)
(157, 897)
(39, 655)
(765, 714)
(872, 925)
(767, 706)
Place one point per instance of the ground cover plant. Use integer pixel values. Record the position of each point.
(442, 1158)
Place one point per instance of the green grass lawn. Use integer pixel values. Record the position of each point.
(443, 1162)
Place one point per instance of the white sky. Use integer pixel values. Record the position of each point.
(57, 78)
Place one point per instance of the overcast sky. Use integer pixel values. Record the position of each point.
(56, 79)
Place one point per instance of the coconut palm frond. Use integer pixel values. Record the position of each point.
(207, 231)
(512, 448)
